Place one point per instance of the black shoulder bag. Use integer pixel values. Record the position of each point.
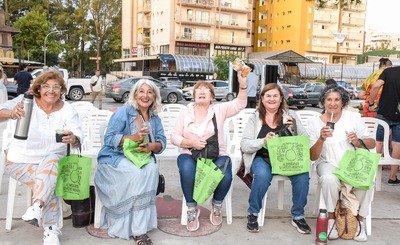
(211, 151)
(161, 178)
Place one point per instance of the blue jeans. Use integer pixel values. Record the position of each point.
(262, 178)
(187, 172)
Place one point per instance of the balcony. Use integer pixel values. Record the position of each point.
(228, 7)
(352, 21)
(320, 33)
(145, 24)
(234, 40)
(233, 25)
(262, 36)
(190, 20)
(186, 36)
(145, 8)
(324, 18)
(204, 4)
(263, 22)
(144, 40)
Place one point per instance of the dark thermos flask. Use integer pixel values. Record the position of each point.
(322, 227)
(22, 128)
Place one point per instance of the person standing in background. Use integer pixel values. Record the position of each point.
(23, 79)
(96, 86)
(252, 84)
(3, 84)
(366, 87)
(388, 111)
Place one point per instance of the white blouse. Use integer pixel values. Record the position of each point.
(334, 147)
(41, 140)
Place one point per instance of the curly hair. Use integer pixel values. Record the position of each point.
(44, 77)
(155, 106)
(344, 95)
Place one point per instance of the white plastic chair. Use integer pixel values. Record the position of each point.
(12, 187)
(304, 115)
(8, 133)
(386, 159)
(98, 204)
(175, 108)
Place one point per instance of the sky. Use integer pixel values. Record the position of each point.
(383, 15)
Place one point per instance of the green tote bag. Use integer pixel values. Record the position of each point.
(207, 179)
(289, 155)
(73, 180)
(139, 158)
(357, 168)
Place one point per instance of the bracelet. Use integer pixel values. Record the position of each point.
(369, 104)
(243, 88)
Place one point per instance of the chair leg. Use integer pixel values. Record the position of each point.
(60, 202)
(261, 214)
(97, 211)
(317, 199)
(281, 192)
(12, 187)
(228, 204)
(184, 212)
(2, 166)
(378, 178)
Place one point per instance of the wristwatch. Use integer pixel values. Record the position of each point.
(369, 104)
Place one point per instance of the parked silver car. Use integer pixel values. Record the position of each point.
(171, 81)
(119, 90)
(220, 88)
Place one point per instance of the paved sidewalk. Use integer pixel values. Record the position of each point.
(277, 228)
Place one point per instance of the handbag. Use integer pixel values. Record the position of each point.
(161, 178)
(346, 222)
(357, 168)
(208, 176)
(289, 155)
(139, 158)
(211, 150)
(73, 180)
(248, 178)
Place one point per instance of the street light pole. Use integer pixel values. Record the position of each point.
(45, 40)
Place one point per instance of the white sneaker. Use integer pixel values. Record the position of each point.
(50, 235)
(361, 236)
(33, 214)
(332, 231)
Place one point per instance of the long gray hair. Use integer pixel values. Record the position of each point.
(155, 106)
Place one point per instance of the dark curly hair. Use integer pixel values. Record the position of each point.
(344, 95)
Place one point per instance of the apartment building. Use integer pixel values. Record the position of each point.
(174, 37)
(332, 34)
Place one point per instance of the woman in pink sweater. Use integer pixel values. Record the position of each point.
(199, 124)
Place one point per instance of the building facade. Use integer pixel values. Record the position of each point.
(333, 34)
(169, 35)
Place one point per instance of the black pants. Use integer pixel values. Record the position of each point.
(21, 90)
(251, 102)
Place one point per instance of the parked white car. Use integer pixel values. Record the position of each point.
(220, 88)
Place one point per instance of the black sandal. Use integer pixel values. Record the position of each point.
(143, 240)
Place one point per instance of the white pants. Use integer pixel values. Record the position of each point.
(330, 186)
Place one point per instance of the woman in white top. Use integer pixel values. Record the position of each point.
(328, 147)
(3, 89)
(34, 161)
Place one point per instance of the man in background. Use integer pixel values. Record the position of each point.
(96, 86)
(23, 79)
(252, 85)
(388, 111)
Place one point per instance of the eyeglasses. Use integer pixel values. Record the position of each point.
(47, 87)
(272, 96)
(202, 89)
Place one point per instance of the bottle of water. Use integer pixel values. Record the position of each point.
(322, 227)
(22, 128)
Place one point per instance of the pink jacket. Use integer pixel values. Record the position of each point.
(222, 111)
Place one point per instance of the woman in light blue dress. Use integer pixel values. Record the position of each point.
(127, 192)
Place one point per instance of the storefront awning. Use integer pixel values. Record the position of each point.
(284, 56)
(192, 63)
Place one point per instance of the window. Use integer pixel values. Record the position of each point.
(288, 26)
(164, 49)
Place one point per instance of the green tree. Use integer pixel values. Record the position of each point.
(34, 27)
(338, 3)
(222, 63)
(102, 16)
